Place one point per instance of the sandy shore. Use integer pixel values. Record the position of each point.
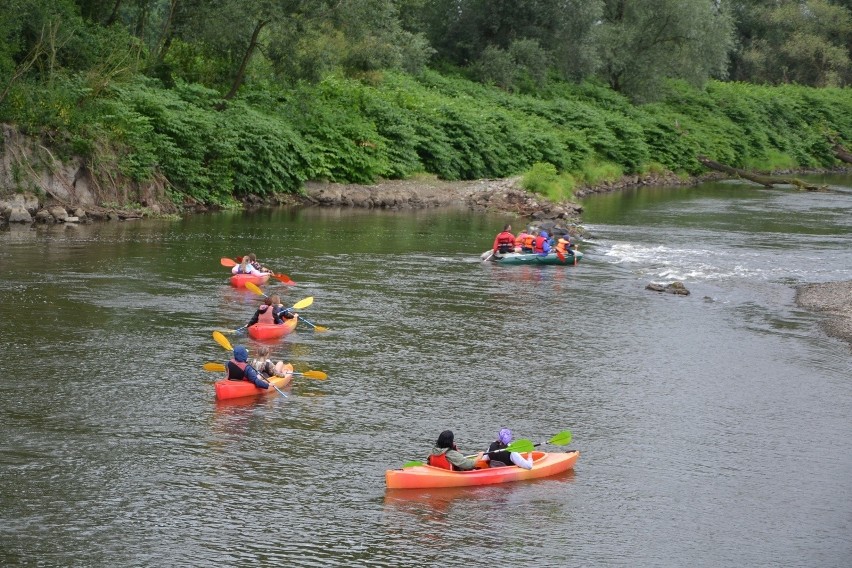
(834, 300)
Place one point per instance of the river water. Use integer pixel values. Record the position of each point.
(714, 428)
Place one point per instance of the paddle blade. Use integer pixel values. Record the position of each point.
(222, 340)
(520, 446)
(560, 256)
(303, 303)
(413, 463)
(320, 328)
(561, 439)
(253, 287)
(319, 375)
(284, 278)
(227, 262)
(214, 367)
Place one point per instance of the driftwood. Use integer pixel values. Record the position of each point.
(766, 181)
(842, 153)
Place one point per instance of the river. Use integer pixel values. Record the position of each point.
(714, 428)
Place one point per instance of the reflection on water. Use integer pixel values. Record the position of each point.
(712, 426)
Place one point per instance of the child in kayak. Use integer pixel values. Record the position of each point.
(446, 455)
(270, 311)
(239, 370)
(265, 366)
(497, 456)
(245, 267)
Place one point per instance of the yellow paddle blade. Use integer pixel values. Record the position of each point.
(253, 287)
(302, 303)
(214, 367)
(222, 340)
(319, 375)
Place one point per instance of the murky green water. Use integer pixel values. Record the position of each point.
(713, 428)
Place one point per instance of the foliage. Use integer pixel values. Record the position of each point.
(542, 178)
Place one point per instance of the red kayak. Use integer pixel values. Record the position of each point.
(272, 330)
(227, 389)
(239, 280)
(422, 476)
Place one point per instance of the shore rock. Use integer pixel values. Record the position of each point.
(676, 288)
(834, 300)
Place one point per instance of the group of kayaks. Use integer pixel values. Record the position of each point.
(420, 476)
(227, 389)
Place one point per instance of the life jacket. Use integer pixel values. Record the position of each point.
(563, 246)
(505, 242)
(520, 239)
(266, 314)
(440, 461)
(498, 454)
(236, 370)
(539, 244)
(529, 242)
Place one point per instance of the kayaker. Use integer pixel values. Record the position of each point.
(269, 312)
(258, 266)
(245, 267)
(497, 456)
(446, 455)
(504, 241)
(264, 365)
(239, 369)
(280, 310)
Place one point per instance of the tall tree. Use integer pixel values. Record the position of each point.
(802, 41)
(643, 43)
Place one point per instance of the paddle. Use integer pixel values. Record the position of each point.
(520, 446)
(223, 341)
(227, 262)
(318, 375)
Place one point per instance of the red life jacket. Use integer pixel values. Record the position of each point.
(505, 242)
(265, 315)
(539, 244)
(439, 461)
(236, 370)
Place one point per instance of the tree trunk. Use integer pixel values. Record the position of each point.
(241, 72)
(842, 154)
(114, 15)
(766, 181)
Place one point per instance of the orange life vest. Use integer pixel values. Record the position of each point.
(562, 246)
(439, 461)
(529, 242)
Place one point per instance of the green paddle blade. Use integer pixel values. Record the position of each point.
(520, 446)
(414, 463)
(561, 439)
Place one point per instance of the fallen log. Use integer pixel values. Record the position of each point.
(842, 154)
(765, 181)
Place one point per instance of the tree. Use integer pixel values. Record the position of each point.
(642, 43)
(801, 41)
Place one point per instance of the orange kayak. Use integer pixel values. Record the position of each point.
(272, 330)
(239, 280)
(423, 476)
(227, 389)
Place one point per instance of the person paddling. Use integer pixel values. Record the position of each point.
(239, 370)
(266, 313)
(245, 267)
(446, 455)
(505, 241)
(497, 456)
